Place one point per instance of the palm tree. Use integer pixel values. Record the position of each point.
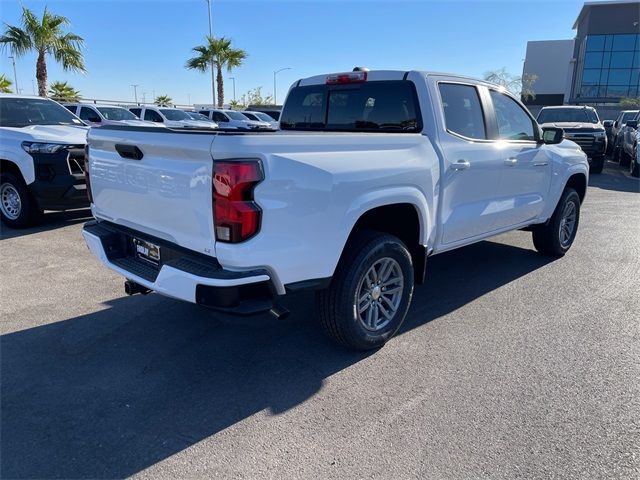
(163, 100)
(5, 84)
(63, 92)
(222, 54)
(45, 36)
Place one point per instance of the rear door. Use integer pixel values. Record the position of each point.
(156, 182)
(526, 175)
(472, 165)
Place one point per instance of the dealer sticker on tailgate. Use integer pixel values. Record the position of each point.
(147, 251)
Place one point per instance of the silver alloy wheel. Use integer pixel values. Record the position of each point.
(379, 294)
(10, 202)
(568, 223)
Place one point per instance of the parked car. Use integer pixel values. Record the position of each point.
(234, 120)
(199, 116)
(349, 198)
(634, 164)
(627, 139)
(261, 117)
(169, 117)
(620, 122)
(98, 115)
(581, 125)
(272, 110)
(42, 148)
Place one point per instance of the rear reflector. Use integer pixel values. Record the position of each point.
(349, 77)
(236, 216)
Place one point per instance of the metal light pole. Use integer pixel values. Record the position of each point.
(213, 75)
(15, 75)
(135, 92)
(234, 87)
(275, 92)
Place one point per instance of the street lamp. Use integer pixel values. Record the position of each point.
(15, 75)
(213, 83)
(234, 87)
(275, 93)
(135, 92)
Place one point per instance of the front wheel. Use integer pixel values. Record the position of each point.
(597, 164)
(634, 165)
(370, 292)
(17, 207)
(624, 159)
(557, 235)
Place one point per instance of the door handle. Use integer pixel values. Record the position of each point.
(130, 152)
(511, 162)
(460, 165)
(540, 164)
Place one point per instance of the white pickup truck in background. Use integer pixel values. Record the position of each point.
(370, 174)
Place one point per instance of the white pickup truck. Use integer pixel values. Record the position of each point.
(370, 174)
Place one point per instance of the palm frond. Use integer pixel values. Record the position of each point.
(16, 39)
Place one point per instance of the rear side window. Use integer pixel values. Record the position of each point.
(71, 108)
(379, 106)
(513, 122)
(462, 110)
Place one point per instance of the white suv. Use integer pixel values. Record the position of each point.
(97, 115)
(234, 120)
(169, 117)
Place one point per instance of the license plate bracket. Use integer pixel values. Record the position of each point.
(146, 251)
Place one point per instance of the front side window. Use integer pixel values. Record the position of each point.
(219, 117)
(89, 115)
(377, 106)
(136, 111)
(462, 110)
(513, 121)
(152, 116)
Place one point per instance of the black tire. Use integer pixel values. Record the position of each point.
(624, 159)
(337, 305)
(634, 168)
(23, 214)
(547, 237)
(597, 164)
(615, 156)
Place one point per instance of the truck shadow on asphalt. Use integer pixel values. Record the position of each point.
(50, 221)
(110, 393)
(616, 178)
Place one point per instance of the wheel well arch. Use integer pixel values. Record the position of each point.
(578, 182)
(401, 220)
(9, 166)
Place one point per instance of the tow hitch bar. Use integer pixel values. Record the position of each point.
(131, 288)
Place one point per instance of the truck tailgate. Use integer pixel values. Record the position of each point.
(165, 193)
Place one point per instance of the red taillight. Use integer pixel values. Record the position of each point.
(86, 173)
(236, 216)
(349, 77)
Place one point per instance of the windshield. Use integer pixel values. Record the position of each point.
(250, 116)
(626, 116)
(116, 113)
(22, 112)
(236, 116)
(558, 115)
(263, 116)
(173, 114)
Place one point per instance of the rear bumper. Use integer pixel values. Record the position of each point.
(181, 274)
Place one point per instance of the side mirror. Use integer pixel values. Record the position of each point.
(552, 135)
(615, 124)
(632, 124)
(607, 123)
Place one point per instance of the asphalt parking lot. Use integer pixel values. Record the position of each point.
(509, 365)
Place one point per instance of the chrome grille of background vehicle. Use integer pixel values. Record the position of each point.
(76, 161)
(582, 139)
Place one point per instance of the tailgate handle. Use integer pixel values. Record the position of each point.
(129, 151)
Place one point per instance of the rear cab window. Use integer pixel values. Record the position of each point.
(374, 106)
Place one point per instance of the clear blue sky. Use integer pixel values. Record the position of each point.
(148, 41)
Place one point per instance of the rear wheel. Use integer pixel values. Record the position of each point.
(597, 164)
(634, 164)
(557, 235)
(370, 292)
(17, 207)
(623, 158)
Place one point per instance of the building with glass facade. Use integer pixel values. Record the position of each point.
(604, 65)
